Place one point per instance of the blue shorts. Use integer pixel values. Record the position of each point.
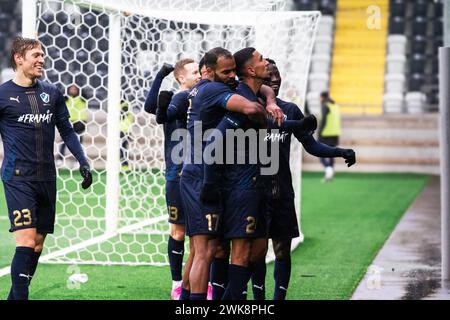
(173, 201)
(200, 218)
(245, 214)
(282, 218)
(31, 204)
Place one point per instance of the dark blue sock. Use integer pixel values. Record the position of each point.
(238, 277)
(33, 266)
(185, 294)
(259, 280)
(20, 272)
(34, 263)
(281, 274)
(219, 277)
(197, 296)
(175, 250)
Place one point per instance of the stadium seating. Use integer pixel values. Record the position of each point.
(421, 24)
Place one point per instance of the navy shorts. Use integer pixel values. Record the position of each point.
(282, 218)
(245, 214)
(200, 218)
(31, 204)
(173, 201)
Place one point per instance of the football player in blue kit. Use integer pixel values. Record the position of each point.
(210, 99)
(282, 218)
(171, 111)
(29, 111)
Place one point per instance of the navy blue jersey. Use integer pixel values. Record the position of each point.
(245, 175)
(176, 119)
(283, 180)
(208, 101)
(28, 116)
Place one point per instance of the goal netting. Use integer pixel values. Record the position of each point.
(112, 51)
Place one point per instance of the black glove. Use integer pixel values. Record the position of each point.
(164, 99)
(166, 69)
(349, 156)
(309, 123)
(85, 172)
(210, 194)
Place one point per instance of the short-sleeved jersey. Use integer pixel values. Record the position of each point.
(179, 104)
(247, 175)
(28, 116)
(284, 178)
(208, 102)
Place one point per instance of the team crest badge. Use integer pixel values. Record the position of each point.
(45, 97)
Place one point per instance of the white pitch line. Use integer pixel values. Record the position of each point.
(5, 271)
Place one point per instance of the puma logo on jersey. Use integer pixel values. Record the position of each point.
(15, 99)
(219, 285)
(178, 252)
(258, 287)
(25, 276)
(282, 288)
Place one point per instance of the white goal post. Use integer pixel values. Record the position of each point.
(112, 51)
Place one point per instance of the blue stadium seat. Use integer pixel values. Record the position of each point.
(5, 21)
(434, 64)
(438, 26)
(396, 25)
(437, 42)
(397, 8)
(416, 81)
(90, 19)
(8, 6)
(60, 65)
(438, 8)
(74, 66)
(420, 8)
(53, 52)
(419, 26)
(418, 44)
(66, 78)
(86, 92)
(96, 57)
(61, 18)
(103, 20)
(95, 81)
(82, 56)
(304, 5)
(2, 41)
(88, 68)
(48, 17)
(417, 64)
(61, 42)
(327, 7)
(97, 32)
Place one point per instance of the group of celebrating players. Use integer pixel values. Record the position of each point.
(229, 211)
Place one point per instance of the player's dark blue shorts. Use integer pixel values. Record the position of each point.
(200, 218)
(173, 201)
(245, 214)
(282, 218)
(31, 204)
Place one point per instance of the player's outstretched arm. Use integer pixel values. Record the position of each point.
(318, 149)
(163, 103)
(151, 102)
(308, 123)
(71, 140)
(239, 104)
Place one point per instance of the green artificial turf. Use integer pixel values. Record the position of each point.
(345, 223)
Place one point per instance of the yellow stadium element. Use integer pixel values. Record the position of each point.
(77, 109)
(358, 63)
(333, 124)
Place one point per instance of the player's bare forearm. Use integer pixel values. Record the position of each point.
(239, 104)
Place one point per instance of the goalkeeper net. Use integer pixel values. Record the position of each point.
(112, 51)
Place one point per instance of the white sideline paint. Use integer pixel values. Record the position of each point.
(5, 271)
